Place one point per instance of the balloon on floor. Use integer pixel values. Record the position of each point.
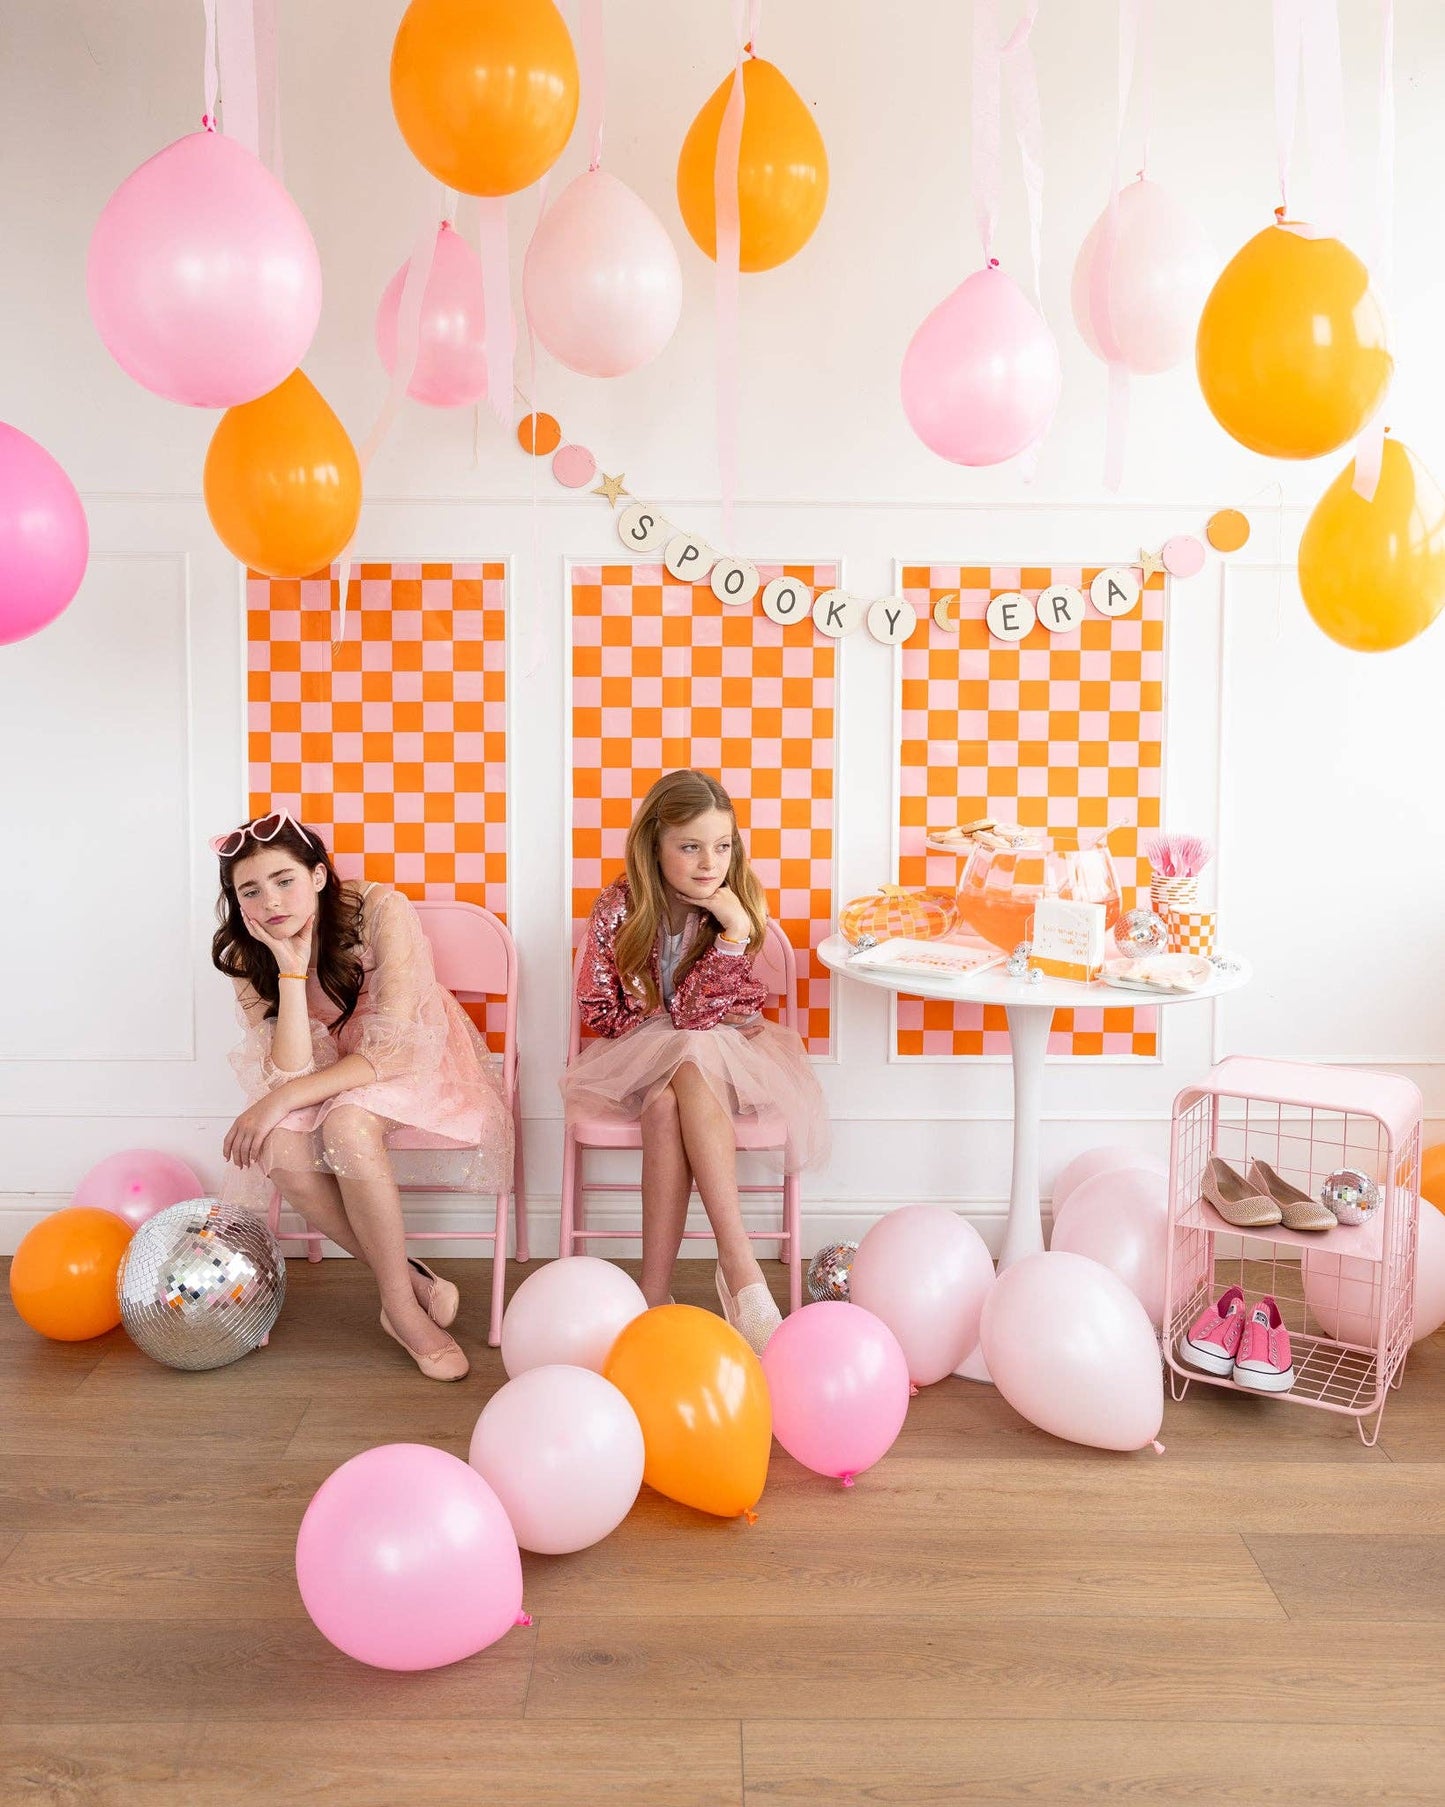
(570, 1311)
(63, 1274)
(838, 1381)
(136, 1183)
(925, 1271)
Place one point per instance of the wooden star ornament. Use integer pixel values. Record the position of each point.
(1149, 564)
(611, 487)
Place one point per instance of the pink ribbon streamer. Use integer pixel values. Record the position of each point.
(1370, 446)
(268, 88)
(501, 331)
(1017, 58)
(236, 55)
(1288, 41)
(728, 262)
(986, 124)
(1133, 21)
(592, 55)
(210, 75)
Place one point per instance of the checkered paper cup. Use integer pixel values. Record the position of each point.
(1191, 931)
(1166, 894)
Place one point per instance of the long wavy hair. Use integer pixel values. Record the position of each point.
(678, 798)
(236, 952)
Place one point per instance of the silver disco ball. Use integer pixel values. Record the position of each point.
(830, 1270)
(201, 1284)
(1352, 1196)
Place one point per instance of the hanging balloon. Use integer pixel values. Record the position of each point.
(485, 93)
(1153, 287)
(451, 359)
(282, 481)
(44, 539)
(981, 376)
(782, 169)
(1372, 574)
(203, 277)
(602, 285)
(1291, 350)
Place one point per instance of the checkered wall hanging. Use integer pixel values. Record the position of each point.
(665, 676)
(1059, 732)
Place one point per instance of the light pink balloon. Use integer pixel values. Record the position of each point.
(562, 1450)
(981, 376)
(1121, 1220)
(136, 1183)
(451, 360)
(925, 1271)
(44, 539)
(203, 276)
(1142, 306)
(405, 1559)
(1072, 1350)
(1343, 1291)
(571, 1312)
(839, 1386)
(601, 283)
(1109, 1159)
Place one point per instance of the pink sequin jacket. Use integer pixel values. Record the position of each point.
(721, 984)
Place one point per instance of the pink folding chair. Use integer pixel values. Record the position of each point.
(776, 967)
(475, 958)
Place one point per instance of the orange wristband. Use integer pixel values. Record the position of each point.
(291, 975)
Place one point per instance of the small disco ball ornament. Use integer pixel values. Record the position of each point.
(201, 1284)
(830, 1269)
(1140, 934)
(1352, 1196)
(1017, 964)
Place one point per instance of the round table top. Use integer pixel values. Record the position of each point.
(996, 987)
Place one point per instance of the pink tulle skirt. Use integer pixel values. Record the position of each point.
(764, 1071)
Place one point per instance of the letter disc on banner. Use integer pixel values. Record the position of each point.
(836, 613)
(1061, 608)
(643, 529)
(1010, 615)
(735, 581)
(785, 600)
(1115, 590)
(892, 619)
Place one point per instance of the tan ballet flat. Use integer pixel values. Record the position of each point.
(447, 1364)
(1297, 1210)
(443, 1302)
(753, 1313)
(1237, 1201)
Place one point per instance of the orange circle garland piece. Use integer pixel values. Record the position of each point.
(1227, 530)
(538, 434)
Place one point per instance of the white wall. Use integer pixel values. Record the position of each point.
(121, 742)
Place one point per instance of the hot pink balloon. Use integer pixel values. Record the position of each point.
(839, 1386)
(925, 1271)
(405, 1559)
(1140, 306)
(451, 359)
(1072, 1350)
(981, 376)
(1121, 1220)
(44, 539)
(203, 277)
(602, 285)
(562, 1450)
(136, 1183)
(1343, 1291)
(570, 1311)
(1111, 1158)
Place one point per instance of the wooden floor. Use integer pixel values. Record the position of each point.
(990, 1616)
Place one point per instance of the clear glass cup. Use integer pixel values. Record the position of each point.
(1000, 886)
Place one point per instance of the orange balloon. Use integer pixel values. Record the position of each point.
(1291, 349)
(282, 481)
(485, 91)
(701, 1399)
(782, 169)
(1432, 1176)
(1373, 573)
(62, 1278)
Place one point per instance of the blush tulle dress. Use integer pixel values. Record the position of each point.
(759, 1067)
(434, 1076)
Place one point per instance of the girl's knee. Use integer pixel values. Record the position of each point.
(351, 1137)
(660, 1112)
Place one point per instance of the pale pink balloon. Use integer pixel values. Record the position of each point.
(1141, 306)
(1343, 1291)
(562, 1450)
(136, 1183)
(1072, 1350)
(925, 1271)
(981, 376)
(1109, 1159)
(203, 277)
(838, 1381)
(451, 358)
(406, 1560)
(44, 539)
(601, 283)
(1121, 1220)
(571, 1311)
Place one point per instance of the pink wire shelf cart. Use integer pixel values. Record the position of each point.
(1346, 1295)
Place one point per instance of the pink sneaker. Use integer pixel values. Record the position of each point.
(1264, 1362)
(1212, 1340)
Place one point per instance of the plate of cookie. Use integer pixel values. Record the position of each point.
(985, 832)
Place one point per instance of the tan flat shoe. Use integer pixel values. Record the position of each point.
(1297, 1210)
(753, 1313)
(443, 1301)
(447, 1364)
(1237, 1201)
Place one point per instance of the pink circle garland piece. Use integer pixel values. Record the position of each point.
(1183, 556)
(574, 466)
